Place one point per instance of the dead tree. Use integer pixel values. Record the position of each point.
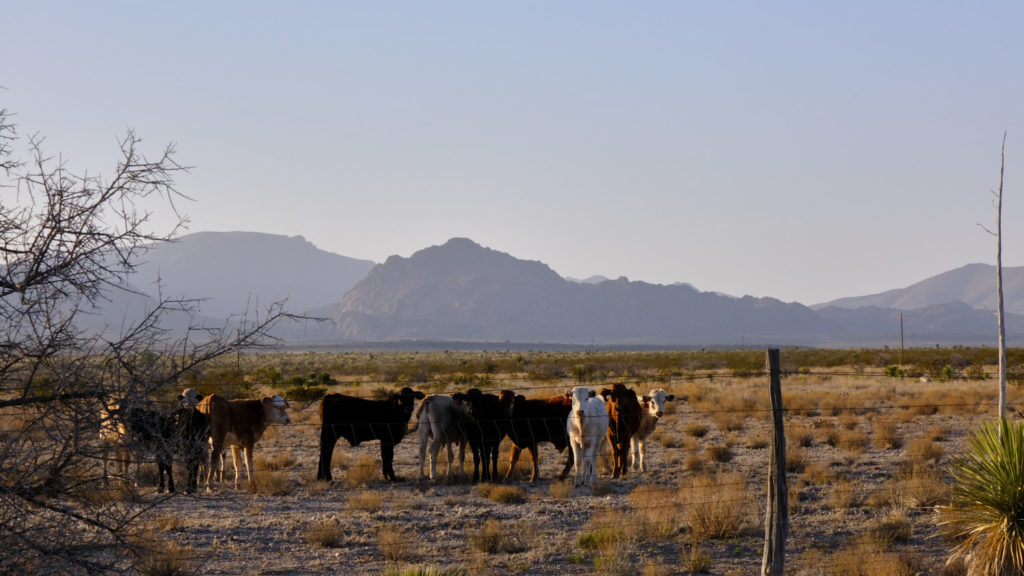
(67, 241)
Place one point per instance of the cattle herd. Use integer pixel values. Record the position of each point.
(202, 428)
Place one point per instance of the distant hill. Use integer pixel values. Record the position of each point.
(974, 285)
(462, 291)
(233, 269)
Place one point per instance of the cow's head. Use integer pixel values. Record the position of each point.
(654, 403)
(579, 396)
(189, 397)
(276, 410)
(407, 397)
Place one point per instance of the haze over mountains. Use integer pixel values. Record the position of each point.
(463, 292)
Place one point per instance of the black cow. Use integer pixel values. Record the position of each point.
(489, 423)
(360, 420)
(153, 431)
(539, 420)
(192, 429)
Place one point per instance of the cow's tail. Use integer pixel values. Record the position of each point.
(414, 422)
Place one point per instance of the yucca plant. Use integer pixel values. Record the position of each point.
(986, 515)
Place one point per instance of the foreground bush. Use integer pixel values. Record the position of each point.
(986, 516)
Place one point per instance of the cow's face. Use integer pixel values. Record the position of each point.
(190, 397)
(407, 398)
(276, 410)
(654, 403)
(579, 396)
(508, 401)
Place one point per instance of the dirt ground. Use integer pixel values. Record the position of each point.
(857, 501)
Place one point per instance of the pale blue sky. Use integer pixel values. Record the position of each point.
(801, 150)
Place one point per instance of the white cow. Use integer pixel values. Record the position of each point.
(587, 426)
(653, 406)
(441, 418)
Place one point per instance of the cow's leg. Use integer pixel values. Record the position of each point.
(424, 438)
(462, 457)
(513, 457)
(387, 456)
(634, 453)
(576, 452)
(451, 459)
(328, 438)
(234, 460)
(534, 464)
(250, 468)
(215, 450)
(568, 463)
(435, 449)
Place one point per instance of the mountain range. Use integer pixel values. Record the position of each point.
(463, 292)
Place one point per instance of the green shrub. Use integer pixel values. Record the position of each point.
(984, 517)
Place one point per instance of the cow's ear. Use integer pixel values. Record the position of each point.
(592, 394)
(670, 397)
(419, 395)
(605, 393)
(645, 398)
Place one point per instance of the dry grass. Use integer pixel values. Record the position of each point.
(275, 462)
(561, 489)
(720, 453)
(696, 429)
(886, 436)
(656, 511)
(324, 534)
(396, 543)
(161, 557)
(274, 484)
(365, 470)
(716, 506)
(494, 537)
(923, 452)
(365, 501)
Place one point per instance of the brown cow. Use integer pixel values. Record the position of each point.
(623, 421)
(240, 424)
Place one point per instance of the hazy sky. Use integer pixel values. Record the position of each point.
(801, 150)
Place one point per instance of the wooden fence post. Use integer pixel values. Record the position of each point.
(776, 522)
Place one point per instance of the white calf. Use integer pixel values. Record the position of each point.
(440, 418)
(587, 426)
(653, 406)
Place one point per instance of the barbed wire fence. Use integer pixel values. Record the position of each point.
(878, 464)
